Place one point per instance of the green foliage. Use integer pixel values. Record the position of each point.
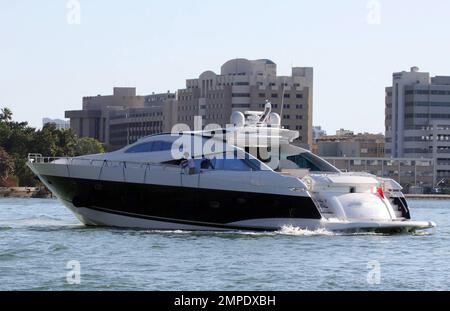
(88, 145)
(67, 142)
(6, 164)
(5, 115)
(46, 141)
(17, 140)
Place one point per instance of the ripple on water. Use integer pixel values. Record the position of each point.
(57, 248)
(15, 254)
(6, 256)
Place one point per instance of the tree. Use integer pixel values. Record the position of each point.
(18, 139)
(5, 115)
(88, 145)
(67, 143)
(45, 141)
(6, 165)
(25, 176)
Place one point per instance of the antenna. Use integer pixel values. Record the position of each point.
(282, 98)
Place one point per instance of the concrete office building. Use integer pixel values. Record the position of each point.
(60, 124)
(417, 119)
(244, 85)
(346, 144)
(124, 117)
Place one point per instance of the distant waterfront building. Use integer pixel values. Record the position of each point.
(128, 125)
(417, 119)
(122, 118)
(60, 124)
(244, 85)
(346, 144)
(344, 133)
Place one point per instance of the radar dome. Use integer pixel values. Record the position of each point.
(237, 119)
(274, 119)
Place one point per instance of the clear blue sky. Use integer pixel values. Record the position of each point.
(47, 64)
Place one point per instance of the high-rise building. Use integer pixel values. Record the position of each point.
(244, 85)
(417, 118)
(347, 144)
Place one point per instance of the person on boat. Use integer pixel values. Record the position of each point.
(184, 163)
(206, 164)
(191, 165)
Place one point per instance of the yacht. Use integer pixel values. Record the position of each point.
(249, 176)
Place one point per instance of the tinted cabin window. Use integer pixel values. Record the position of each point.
(231, 165)
(150, 147)
(313, 163)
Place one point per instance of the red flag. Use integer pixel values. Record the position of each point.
(380, 192)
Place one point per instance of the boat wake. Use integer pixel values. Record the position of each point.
(168, 231)
(296, 231)
(285, 230)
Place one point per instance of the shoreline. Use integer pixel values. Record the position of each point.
(24, 192)
(428, 196)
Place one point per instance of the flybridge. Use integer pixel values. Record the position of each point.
(258, 132)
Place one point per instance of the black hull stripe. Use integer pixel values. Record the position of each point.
(182, 222)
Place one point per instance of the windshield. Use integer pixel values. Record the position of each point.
(313, 163)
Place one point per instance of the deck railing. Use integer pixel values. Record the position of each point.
(39, 159)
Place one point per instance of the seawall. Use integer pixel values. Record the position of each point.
(428, 196)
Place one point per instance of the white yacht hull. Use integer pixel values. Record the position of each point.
(91, 217)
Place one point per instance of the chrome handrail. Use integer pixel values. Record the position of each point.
(39, 159)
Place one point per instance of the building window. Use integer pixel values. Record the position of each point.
(422, 92)
(274, 95)
(299, 96)
(240, 106)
